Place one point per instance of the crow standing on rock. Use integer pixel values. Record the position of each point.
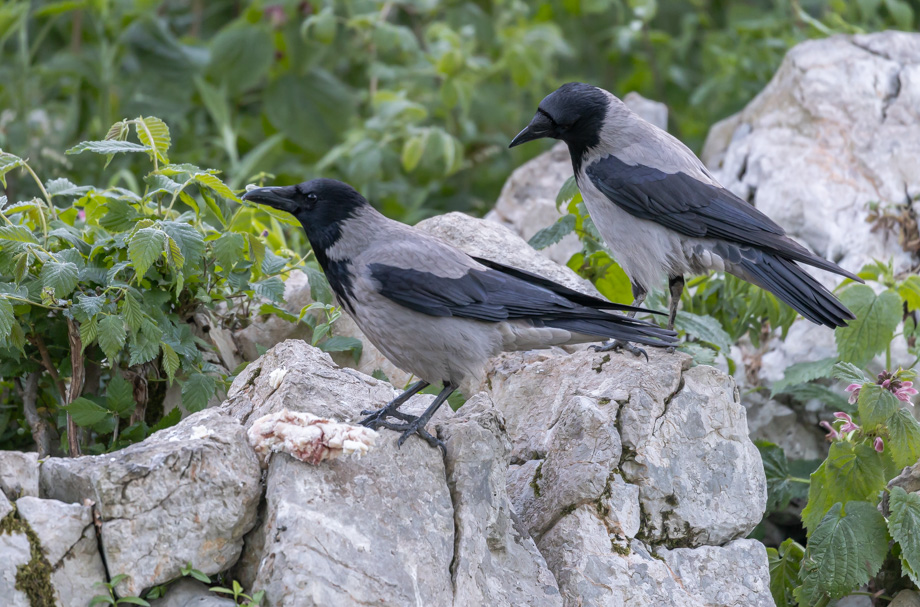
(663, 214)
(430, 308)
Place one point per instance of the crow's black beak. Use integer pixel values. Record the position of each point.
(281, 198)
(541, 126)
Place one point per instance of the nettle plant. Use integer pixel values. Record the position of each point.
(99, 285)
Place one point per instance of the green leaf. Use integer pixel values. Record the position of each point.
(7, 318)
(704, 328)
(270, 288)
(849, 373)
(846, 549)
(904, 524)
(776, 468)
(119, 216)
(903, 438)
(119, 395)
(167, 421)
(170, 361)
(60, 276)
(785, 565)
(145, 247)
(319, 287)
(228, 249)
(133, 600)
(877, 317)
(145, 344)
(174, 256)
(567, 192)
(8, 162)
(909, 290)
(17, 234)
(85, 412)
(551, 235)
(875, 405)
(131, 310)
(801, 373)
(89, 330)
(88, 306)
(197, 390)
(413, 150)
(160, 133)
(112, 335)
(107, 147)
(339, 343)
(119, 130)
(213, 183)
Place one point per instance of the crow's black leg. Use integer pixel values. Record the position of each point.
(376, 418)
(676, 287)
(418, 426)
(639, 294)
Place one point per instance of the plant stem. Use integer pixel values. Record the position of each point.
(42, 433)
(797, 479)
(44, 192)
(78, 373)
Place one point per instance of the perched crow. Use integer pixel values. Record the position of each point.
(663, 214)
(432, 309)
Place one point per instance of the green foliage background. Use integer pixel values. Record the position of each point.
(413, 101)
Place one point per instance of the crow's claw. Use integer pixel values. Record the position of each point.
(411, 428)
(618, 344)
(375, 417)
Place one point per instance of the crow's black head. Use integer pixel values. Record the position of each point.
(321, 205)
(574, 113)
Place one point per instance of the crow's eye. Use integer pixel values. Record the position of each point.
(311, 197)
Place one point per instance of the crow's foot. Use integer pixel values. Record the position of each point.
(618, 344)
(378, 417)
(416, 426)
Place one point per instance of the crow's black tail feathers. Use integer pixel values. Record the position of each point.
(797, 288)
(617, 327)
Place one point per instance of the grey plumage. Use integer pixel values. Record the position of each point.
(430, 308)
(663, 214)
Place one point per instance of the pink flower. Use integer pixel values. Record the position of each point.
(854, 388)
(849, 426)
(831, 432)
(81, 215)
(879, 444)
(886, 383)
(905, 391)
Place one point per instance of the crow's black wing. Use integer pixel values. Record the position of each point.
(696, 209)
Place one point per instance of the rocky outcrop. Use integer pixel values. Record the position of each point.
(187, 494)
(18, 474)
(189, 593)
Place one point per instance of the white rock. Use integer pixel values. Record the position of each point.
(169, 500)
(18, 474)
(190, 593)
(15, 552)
(68, 541)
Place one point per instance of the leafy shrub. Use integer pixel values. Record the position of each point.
(98, 286)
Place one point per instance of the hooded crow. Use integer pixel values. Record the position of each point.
(430, 308)
(663, 214)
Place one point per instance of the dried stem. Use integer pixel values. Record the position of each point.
(39, 343)
(78, 373)
(42, 432)
(139, 380)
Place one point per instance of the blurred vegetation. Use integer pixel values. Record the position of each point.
(413, 102)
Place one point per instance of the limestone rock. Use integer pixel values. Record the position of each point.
(18, 474)
(495, 561)
(834, 131)
(68, 541)
(906, 598)
(189, 593)
(684, 444)
(527, 202)
(186, 494)
(15, 553)
(482, 238)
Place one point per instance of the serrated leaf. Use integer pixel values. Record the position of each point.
(65, 187)
(228, 249)
(170, 361)
(877, 317)
(7, 318)
(279, 312)
(849, 373)
(801, 373)
(340, 343)
(174, 255)
(197, 390)
(116, 131)
(785, 564)
(875, 405)
(85, 412)
(903, 438)
(832, 398)
(551, 235)
(107, 147)
(846, 549)
(111, 335)
(119, 395)
(17, 234)
(131, 310)
(776, 469)
(704, 328)
(909, 290)
(60, 276)
(160, 133)
(567, 192)
(118, 216)
(89, 330)
(88, 306)
(270, 288)
(8, 162)
(167, 421)
(319, 286)
(189, 239)
(143, 347)
(213, 183)
(904, 524)
(145, 247)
